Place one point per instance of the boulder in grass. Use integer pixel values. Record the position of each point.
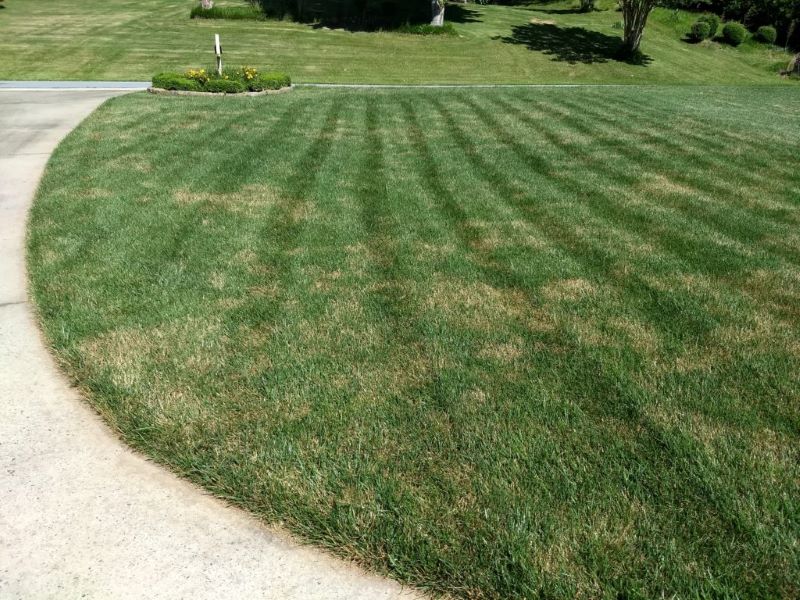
(794, 67)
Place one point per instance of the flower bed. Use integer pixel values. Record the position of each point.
(232, 81)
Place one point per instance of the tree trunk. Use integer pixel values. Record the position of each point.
(634, 16)
(437, 6)
(794, 69)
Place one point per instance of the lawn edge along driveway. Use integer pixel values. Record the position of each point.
(80, 513)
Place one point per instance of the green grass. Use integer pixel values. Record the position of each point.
(233, 12)
(496, 343)
(132, 39)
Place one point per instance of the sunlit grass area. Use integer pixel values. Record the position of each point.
(494, 343)
(540, 43)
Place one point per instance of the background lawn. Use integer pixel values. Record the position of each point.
(496, 343)
(546, 43)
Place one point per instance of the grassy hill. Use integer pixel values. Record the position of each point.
(540, 43)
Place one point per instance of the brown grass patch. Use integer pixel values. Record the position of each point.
(639, 335)
(217, 280)
(475, 304)
(503, 351)
(570, 290)
(131, 162)
(324, 282)
(249, 199)
(180, 352)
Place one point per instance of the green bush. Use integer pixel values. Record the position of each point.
(175, 81)
(269, 81)
(224, 86)
(427, 29)
(239, 13)
(700, 31)
(234, 80)
(766, 34)
(734, 33)
(713, 24)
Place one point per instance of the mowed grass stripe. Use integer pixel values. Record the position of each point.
(747, 245)
(439, 333)
(494, 128)
(769, 174)
(646, 224)
(684, 306)
(682, 203)
(559, 231)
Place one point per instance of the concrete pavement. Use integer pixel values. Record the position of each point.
(81, 516)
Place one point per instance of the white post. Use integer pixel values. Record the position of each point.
(218, 52)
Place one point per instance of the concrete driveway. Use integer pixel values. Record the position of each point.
(81, 516)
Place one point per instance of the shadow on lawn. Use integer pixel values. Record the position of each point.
(456, 13)
(565, 11)
(572, 44)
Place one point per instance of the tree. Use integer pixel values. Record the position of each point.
(587, 6)
(437, 7)
(634, 17)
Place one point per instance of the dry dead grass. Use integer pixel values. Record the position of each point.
(250, 200)
(569, 290)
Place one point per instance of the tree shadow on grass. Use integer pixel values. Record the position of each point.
(456, 13)
(565, 11)
(572, 44)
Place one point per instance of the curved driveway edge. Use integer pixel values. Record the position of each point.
(81, 515)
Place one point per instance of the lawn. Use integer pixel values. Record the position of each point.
(496, 343)
(543, 43)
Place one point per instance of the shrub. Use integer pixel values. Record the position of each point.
(239, 13)
(269, 81)
(734, 33)
(700, 31)
(713, 24)
(232, 81)
(766, 34)
(175, 81)
(224, 86)
(426, 29)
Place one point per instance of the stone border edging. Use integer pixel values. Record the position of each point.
(164, 92)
